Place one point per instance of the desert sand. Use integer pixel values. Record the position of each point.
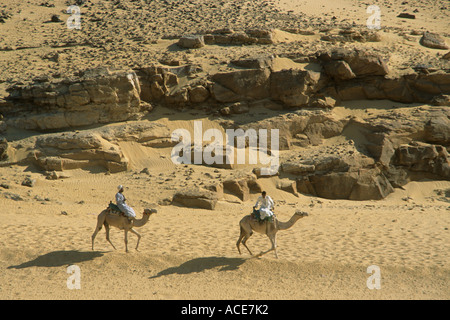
(189, 253)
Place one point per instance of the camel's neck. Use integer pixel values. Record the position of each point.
(140, 222)
(288, 224)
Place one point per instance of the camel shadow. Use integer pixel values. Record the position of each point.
(59, 259)
(201, 264)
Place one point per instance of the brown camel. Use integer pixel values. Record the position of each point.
(249, 224)
(108, 219)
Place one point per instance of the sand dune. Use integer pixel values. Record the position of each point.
(185, 252)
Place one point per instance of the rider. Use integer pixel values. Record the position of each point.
(126, 209)
(267, 205)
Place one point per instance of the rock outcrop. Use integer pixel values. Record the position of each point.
(433, 40)
(78, 150)
(3, 149)
(197, 198)
(97, 96)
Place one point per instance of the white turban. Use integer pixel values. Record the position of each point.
(119, 187)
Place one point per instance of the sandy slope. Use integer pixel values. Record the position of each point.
(185, 253)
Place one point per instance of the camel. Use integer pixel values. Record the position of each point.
(249, 224)
(121, 222)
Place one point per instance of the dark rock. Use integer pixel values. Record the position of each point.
(406, 15)
(433, 40)
(29, 182)
(3, 149)
(55, 18)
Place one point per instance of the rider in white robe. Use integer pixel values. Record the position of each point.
(120, 200)
(266, 205)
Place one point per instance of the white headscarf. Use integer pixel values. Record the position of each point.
(119, 187)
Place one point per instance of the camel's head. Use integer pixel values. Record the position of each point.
(301, 214)
(150, 211)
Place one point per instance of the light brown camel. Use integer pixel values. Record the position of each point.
(249, 224)
(108, 219)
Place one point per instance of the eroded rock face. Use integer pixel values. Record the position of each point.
(78, 150)
(242, 187)
(425, 158)
(96, 147)
(3, 149)
(98, 96)
(241, 85)
(361, 63)
(197, 198)
(294, 87)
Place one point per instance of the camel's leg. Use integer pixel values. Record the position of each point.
(246, 237)
(273, 240)
(100, 220)
(241, 235)
(97, 229)
(126, 240)
(139, 237)
(107, 235)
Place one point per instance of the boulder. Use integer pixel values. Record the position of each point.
(366, 184)
(196, 198)
(339, 70)
(437, 130)
(242, 186)
(239, 107)
(433, 40)
(216, 188)
(361, 62)
(334, 185)
(305, 186)
(237, 187)
(191, 41)
(406, 15)
(29, 182)
(251, 84)
(288, 186)
(264, 172)
(371, 185)
(198, 94)
(294, 87)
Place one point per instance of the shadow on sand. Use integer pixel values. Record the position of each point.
(59, 258)
(202, 264)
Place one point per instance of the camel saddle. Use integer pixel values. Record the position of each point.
(257, 216)
(114, 209)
